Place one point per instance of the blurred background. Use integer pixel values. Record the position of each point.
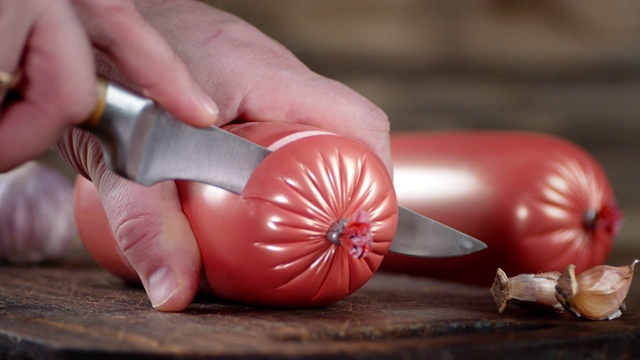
(564, 67)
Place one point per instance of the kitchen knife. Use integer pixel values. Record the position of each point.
(144, 143)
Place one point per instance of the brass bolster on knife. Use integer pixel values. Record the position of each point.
(94, 118)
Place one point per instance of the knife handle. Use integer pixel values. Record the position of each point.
(117, 120)
(98, 111)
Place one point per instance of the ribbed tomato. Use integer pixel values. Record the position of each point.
(311, 227)
(538, 202)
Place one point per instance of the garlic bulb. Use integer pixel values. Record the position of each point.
(595, 294)
(36, 214)
(526, 290)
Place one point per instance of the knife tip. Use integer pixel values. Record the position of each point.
(475, 245)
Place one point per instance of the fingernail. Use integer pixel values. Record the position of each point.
(162, 285)
(210, 108)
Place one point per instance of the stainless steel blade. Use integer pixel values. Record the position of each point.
(420, 236)
(144, 143)
(147, 145)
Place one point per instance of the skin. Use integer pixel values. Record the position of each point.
(52, 46)
(248, 75)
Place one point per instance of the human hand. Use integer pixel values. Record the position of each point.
(254, 78)
(250, 77)
(50, 44)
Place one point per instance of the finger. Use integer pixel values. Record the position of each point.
(155, 237)
(15, 21)
(16, 18)
(150, 229)
(321, 102)
(144, 57)
(27, 130)
(58, 89)
(255, 78)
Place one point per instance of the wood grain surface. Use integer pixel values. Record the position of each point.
(75, 310)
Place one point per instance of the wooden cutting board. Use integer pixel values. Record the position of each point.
(77, 311)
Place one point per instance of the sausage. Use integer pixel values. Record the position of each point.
(539, 202)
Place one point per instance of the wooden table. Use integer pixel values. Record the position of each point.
(75, 310)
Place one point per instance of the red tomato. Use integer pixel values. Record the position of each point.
(538, 202)
(270, 246)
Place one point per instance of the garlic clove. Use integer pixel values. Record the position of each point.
(36, 214)
(526, 290)
(501, 290)
(595, 294)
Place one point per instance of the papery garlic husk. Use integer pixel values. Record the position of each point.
(36, 214)
(533, 291)
(595, 294)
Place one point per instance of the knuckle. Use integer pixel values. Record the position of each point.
(365, 112)
(377, 119)
(136, 235)
(80, 150)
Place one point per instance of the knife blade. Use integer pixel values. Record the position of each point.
(144, 143)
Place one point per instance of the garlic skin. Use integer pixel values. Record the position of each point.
(595, 294)
(36, 214)
(526, 290)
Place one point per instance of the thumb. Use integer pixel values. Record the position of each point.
(150, 228)
(155, 237)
